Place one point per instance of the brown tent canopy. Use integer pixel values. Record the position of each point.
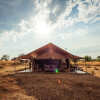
(50, 51)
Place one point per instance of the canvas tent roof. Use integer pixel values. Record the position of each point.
(50, 51)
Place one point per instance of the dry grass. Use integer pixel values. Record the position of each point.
(44, 86)
(91, 63)
(9, 90)
(90, 67)
(9, 67)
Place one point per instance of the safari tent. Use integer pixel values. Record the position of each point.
(49, 58)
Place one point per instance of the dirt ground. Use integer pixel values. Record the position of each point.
(8, 67)
(49, 86)
(91, 67)
(95, 70)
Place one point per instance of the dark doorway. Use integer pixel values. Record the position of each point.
(48, 64)
(67, 63)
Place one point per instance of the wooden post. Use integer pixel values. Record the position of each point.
(29, 64)
(25, 66)
(68, 64)
(85, 66)
(32, 65)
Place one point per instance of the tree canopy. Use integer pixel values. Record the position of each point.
(98, 58)
(5, 57)
(88, 58)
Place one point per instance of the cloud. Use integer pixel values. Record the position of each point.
(67, 35)
(34, 24)
(50, 22)
(87, 12)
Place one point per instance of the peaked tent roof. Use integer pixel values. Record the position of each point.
(50, 51)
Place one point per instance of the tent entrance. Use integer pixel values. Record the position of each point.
(48, 64)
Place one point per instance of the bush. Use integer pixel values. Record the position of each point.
(88, 58)
(5, 57)
(98, 58)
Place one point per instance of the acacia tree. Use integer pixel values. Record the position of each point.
(5, 57)
(88, 58)
(98, 58)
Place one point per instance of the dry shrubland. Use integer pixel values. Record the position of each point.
(45, 86)
(9, 67)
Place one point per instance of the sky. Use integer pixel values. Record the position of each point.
(26, 25)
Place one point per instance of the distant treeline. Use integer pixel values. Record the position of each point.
(5, 57)
(89, 58)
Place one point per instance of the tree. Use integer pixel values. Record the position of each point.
(98, 58)
(5, 57)
(88, 58)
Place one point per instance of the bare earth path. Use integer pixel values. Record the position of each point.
(11, 69)
(49, 86)
(10, 90)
